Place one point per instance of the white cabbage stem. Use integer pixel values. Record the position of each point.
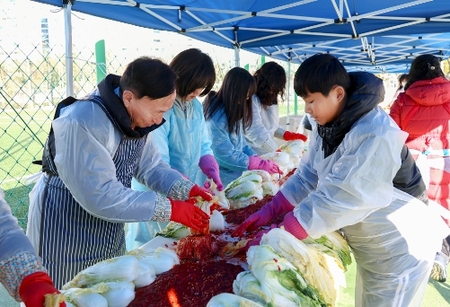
(118, 294)
(85, 297)
(162, 259)
(123, 268)
(147, 275)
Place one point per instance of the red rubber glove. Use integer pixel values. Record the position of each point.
(291, 136)
(188, 214)
(277, 206)
(210, 168)
(34, 287)
(198, 191)
(292, 225)
(255, 162)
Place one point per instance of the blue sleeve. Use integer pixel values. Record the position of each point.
(228, 155)
(248, 150)
(12, 238)
(204, 132)
(160, 137)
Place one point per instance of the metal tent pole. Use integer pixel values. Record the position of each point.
(69, 55)
(288, 81)
(237, 60)
(237, 47)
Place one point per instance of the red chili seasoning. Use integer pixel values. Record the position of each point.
(238, 216)
(173, 298)
(197, 248)
(188, 285)
(200, 275)
(285, 177)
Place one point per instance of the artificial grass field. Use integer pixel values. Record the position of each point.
(436, 295)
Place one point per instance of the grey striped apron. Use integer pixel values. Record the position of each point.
(71, 239)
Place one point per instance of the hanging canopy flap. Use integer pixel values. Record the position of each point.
(272, 27)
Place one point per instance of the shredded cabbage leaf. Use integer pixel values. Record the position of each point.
(282, 282)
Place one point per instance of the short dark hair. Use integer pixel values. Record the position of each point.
(424, 67)
(237, 84)
(320, 73)
(270, 82)
(149, 77)
(195, 70)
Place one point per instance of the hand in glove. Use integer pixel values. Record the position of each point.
(257, 239)
(291, 136)
(210, 168)
(277, 206)
(198, 191)
(34, 287)
(255, 162)
(188, 214)
(291, 224)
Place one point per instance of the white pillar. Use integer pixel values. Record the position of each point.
(69, 54)
(237, 60)
(288, 86)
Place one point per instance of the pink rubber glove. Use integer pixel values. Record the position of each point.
(34, 287)
(291, 136)
(198, 191)
(292, 225)
(255, 162)
(210, 168)
(277, 206)
(258, 237)
(256, 240)
(188, 214)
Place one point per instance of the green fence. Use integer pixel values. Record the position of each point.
(33, 78)
(31, 85)
(32, 82)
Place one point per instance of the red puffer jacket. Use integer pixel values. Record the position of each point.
(424, 112)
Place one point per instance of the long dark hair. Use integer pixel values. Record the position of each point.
(270, 82)
(424, 67)
(403, 77)
(195, 70)
(234, 97)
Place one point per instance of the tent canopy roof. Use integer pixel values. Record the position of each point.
(393, 53)
(275, 28)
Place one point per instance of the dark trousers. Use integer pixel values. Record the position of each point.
(446, 248)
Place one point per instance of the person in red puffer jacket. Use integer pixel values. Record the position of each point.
(423, 111)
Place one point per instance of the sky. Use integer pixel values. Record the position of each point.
(21, 20)
(20, 32)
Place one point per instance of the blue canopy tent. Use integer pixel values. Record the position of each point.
(364, 34)
(377, 36)
(391, 53)
(255, 23)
